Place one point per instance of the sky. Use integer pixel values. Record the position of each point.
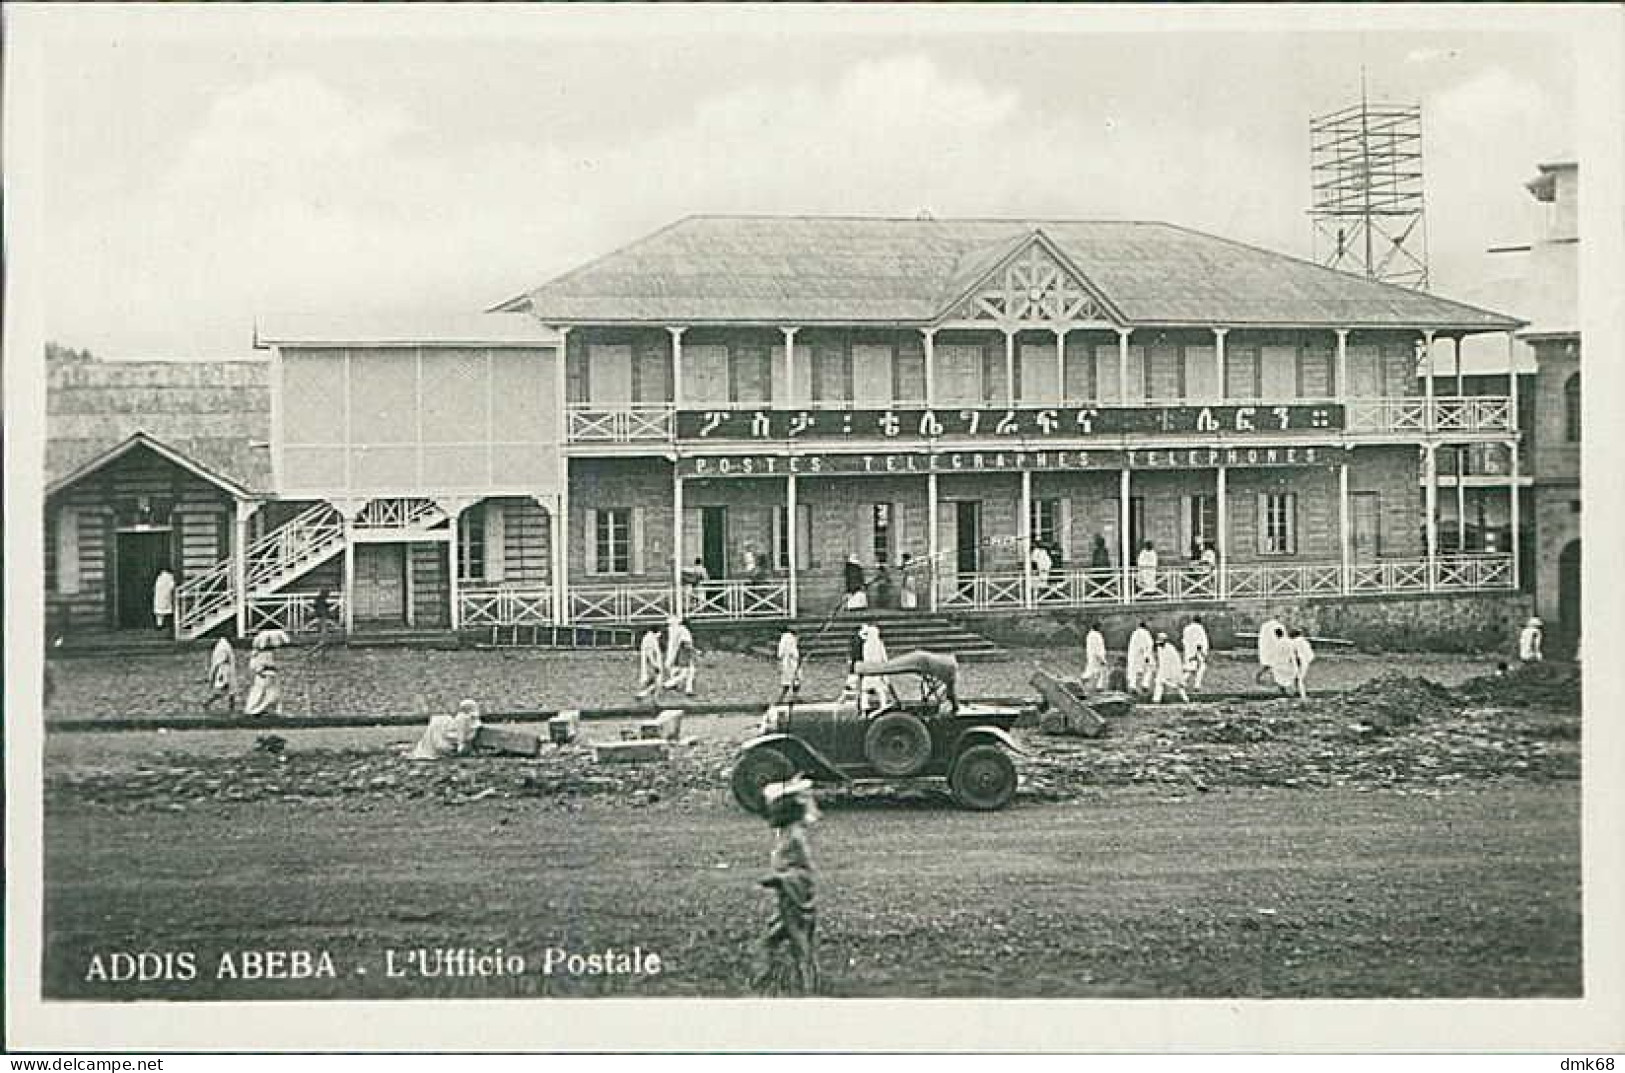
(208, 171)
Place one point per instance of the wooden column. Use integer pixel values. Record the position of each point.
(1218, 360)
(1123, 563)
(931, 540)
(1513, 512)
(930, 335)
(558, 532)
(1455, 350)
(239, 563)
(1010, 367)
(1122, 365)
(349, 570)
(455, 518)
(1427, 379)
(792, 533)
(1430, 469)
(1222, 545)
(1343, 530)
(790, 366)
(677, 539)
(1342, 386)
(677, 367)
(1060, 366)
(1512, 380)
(559, 517)
(1025, 528)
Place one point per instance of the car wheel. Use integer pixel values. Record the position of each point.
(983, 778)
(897, 744)
(758, 767)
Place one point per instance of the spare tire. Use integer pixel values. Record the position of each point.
(758, 767)
(898, 744)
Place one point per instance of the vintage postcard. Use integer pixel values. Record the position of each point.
(519, 515)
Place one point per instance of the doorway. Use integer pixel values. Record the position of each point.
(714, 541)
(967, 536)
(1568, 588)
(140, 555)
(1365, 526)
(380, 584)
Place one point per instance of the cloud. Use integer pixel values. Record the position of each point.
(294, 196)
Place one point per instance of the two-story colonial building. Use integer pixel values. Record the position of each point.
(772, 396)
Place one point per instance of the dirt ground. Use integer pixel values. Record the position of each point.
(363, 683)
(1399, 840)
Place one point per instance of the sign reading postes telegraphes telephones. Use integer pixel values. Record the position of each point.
(903, 463)
(1026, 423)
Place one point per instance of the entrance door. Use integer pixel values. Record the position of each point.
(140, 556)
(1365, 526)
(714, 541)
(1568, 587)
(380, 584)
(968, 536)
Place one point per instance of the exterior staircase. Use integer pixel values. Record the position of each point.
(902, 631)
(277, 558)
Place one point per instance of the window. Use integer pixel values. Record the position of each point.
(908, 376)
(471, 544)
(1278, 524)
(1242, 375)
(612, 541)
(752, 375)
(883, 528)
(831, 379)
(1571, 409)
(1316, 372)
(1201, 523)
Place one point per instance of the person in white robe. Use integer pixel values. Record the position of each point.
(1042, 564)
(789, 656)
(1529, 641)
(1303, 654)
(681, 658)
(449, 735)
(265, 692)
(875, 689)
(1283, 657)
(1268, 633)
(908, 593)
(651, 662)
(1096, 665)
(222, 675)
(1142, 659)
(163, 598)
(1170, 673)
(1194, 641)
(1146, 567)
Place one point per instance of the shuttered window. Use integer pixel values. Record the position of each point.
(471, 544)
(617, 544)
(1241, 373)
(1201, 523)
(1278, 523)
(752, 375)
(831, 373)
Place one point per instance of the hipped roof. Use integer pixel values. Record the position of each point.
(214, 414)
(855, 270)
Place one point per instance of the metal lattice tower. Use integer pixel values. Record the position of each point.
(1366, 174)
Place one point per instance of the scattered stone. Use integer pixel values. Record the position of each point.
(631, 752)
(510, 742)
(563, 727)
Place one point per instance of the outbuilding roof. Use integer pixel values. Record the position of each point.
(214, 414)
(854, 270)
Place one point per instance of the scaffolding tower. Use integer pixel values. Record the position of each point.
(1366, 176)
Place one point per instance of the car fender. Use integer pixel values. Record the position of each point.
(983, 735)
(800, 753)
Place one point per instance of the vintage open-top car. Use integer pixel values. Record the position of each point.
(902, 721)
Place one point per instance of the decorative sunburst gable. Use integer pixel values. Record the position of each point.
(1035, 285)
